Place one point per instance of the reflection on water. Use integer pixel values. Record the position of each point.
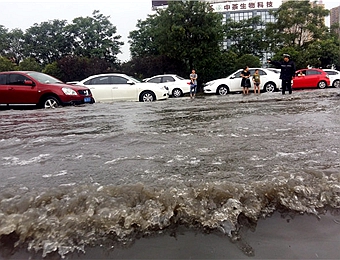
(112, 173)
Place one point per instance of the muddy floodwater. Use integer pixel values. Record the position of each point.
(217, 177)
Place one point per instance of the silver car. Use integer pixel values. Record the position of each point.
(270, 82)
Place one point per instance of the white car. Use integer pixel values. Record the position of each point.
(120, 87)
(177, 85)
(274, 70)
(270, 82)
(334, 76)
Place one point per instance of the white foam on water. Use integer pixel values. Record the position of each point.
(12, 160)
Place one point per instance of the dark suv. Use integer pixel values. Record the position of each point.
(36, 88)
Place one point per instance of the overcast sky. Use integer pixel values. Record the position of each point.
(123, 14)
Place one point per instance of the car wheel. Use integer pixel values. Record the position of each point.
(322, 84)
(336, 83)
(177, 93)
(269, 87)
(147, 96)
(50, 102)
(222, 90)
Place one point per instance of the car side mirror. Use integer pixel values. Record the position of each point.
(232, 77)
(130, 82)
(29, 83)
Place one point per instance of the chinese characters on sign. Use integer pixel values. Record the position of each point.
(240, 6)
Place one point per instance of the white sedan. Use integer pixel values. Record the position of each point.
(334, 76)
(120, 87)
(177, 85)
(270, 82)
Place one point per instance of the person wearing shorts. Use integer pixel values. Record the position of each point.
(257, 81)
(193, 84)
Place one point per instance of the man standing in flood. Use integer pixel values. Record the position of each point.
(287, 72)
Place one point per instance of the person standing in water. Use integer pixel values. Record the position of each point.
(193, 84)
(245, 82)
(257, 81)
(287, 72)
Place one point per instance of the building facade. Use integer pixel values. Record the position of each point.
(335, 17)
(243, 10)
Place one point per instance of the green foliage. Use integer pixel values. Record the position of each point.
(94, 37)
(47, 42)
(143, 40)
(246, 36)
(73, 68)
(294, 54)
(247, 60)
(322, 53)
(4, 43)
(147, 66)
(187, 33)
(298, 24)
(53, 70)
(6, 64)
(15, 48)
(301, 32)
(29, 64)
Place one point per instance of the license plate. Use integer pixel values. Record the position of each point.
(87, 100)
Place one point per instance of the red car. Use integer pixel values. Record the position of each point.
(36, 88)
(310, 78)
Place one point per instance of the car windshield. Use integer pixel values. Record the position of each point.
(43, 78)
(132, 79)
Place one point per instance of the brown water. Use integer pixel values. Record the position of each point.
(126, 180)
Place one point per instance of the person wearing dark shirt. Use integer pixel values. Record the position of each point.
(245, 82)
(287, 72)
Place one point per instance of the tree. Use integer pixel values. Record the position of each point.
(149, 65)
(248, 60)
(6, 64)
(47, 42)
(295, 55)
(143, 40)
(188, 32)
(94, 37)
(298, 23)
(53, 70)
(4, 43)
(73, 68)
(29, 64)
(246, 36)
(16, 45)
(322, 54)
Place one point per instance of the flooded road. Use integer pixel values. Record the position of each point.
(78, 176)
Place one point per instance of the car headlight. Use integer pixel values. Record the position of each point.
(69, 92)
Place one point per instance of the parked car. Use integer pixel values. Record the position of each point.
(119, 87)
(310, 78)
(334, 77)
(274, 70)
(42, 90)
(177, 85)
(270, 82)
